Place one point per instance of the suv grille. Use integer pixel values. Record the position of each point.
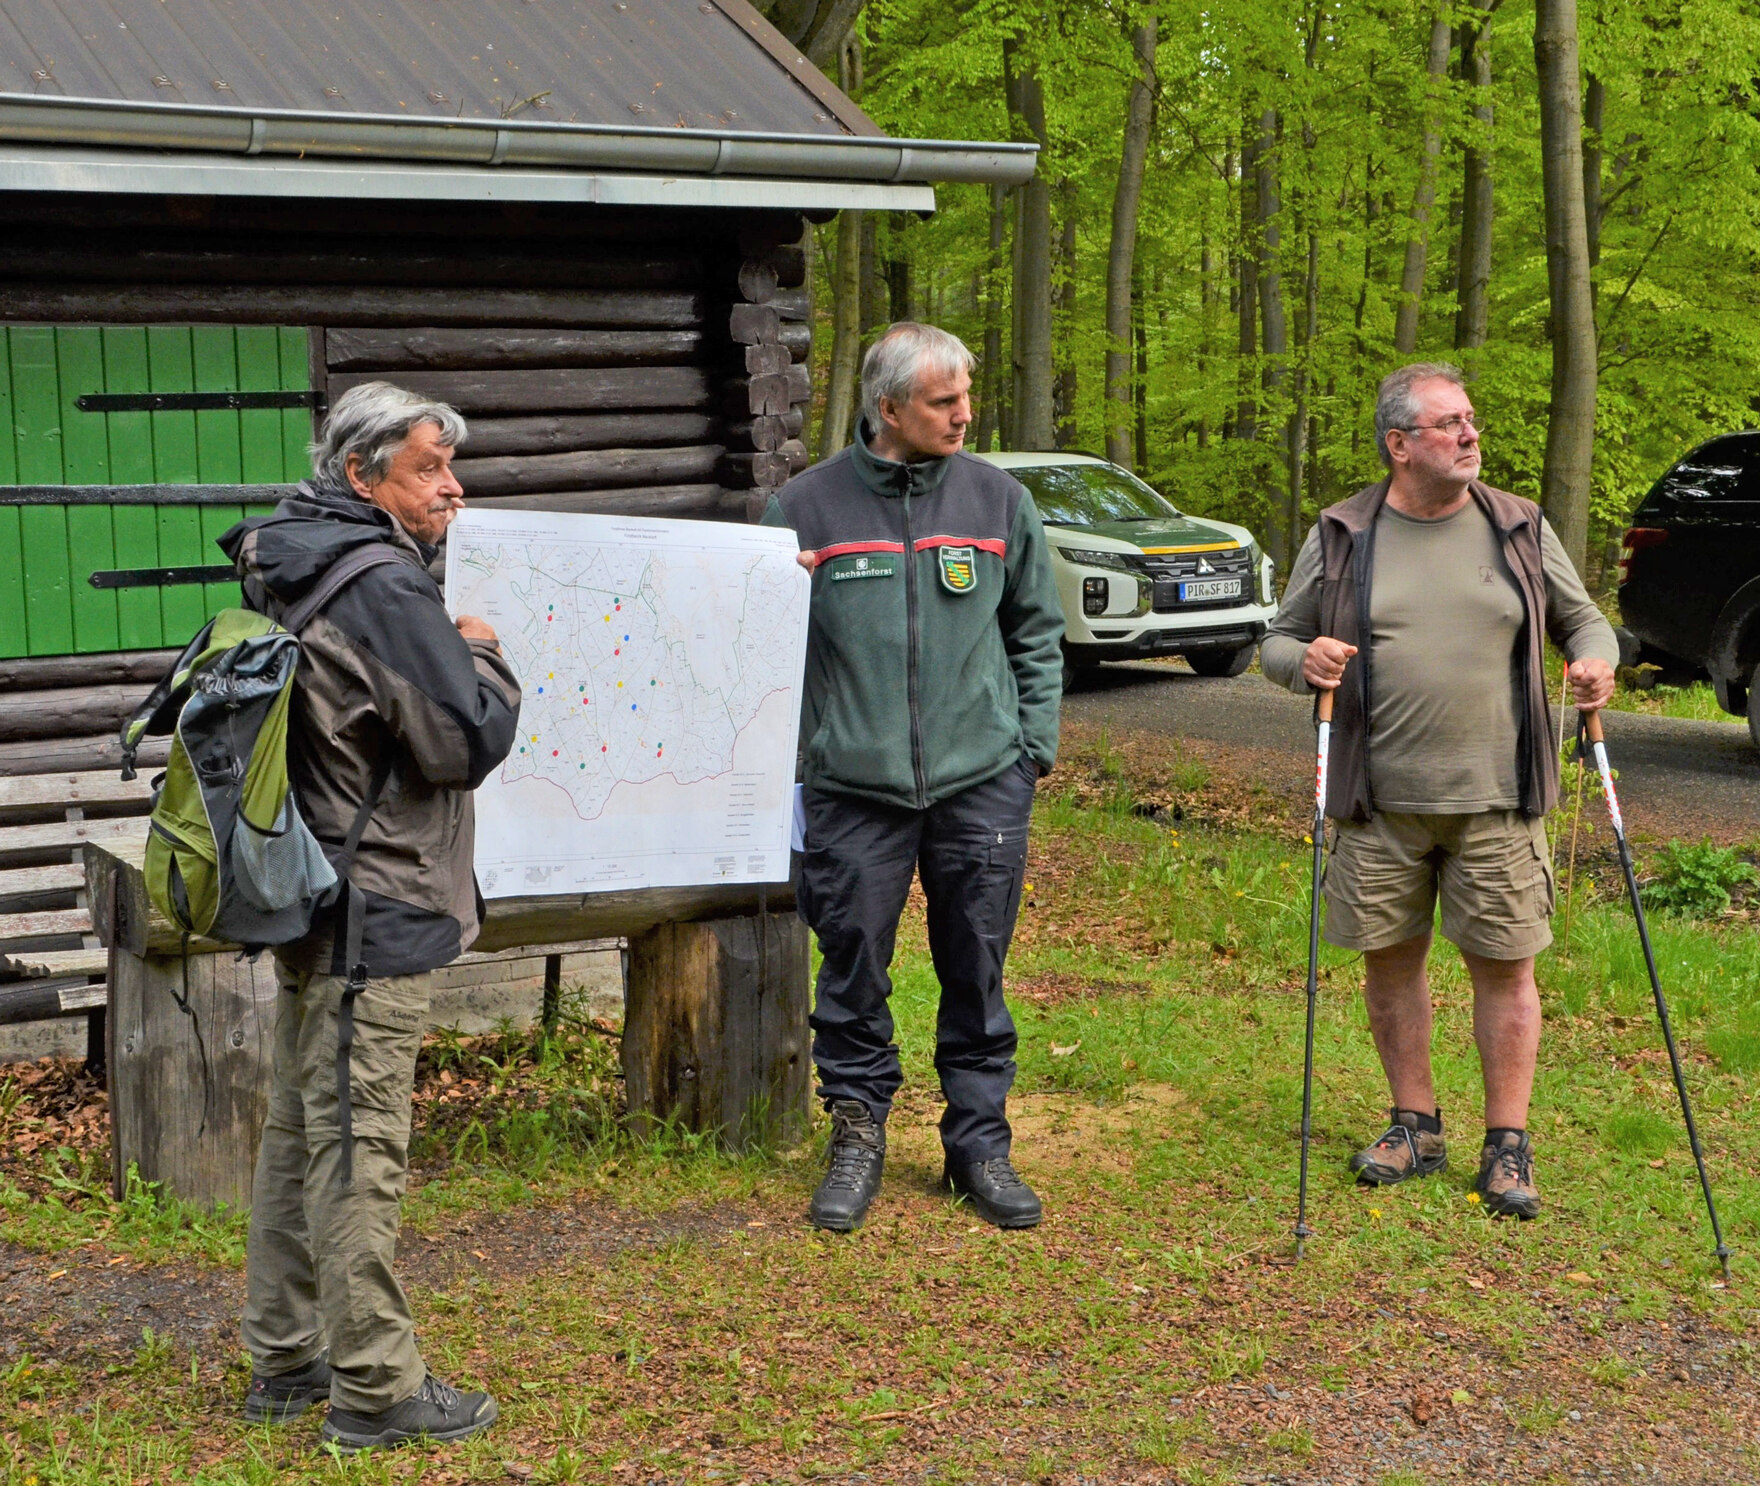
(1170, 569)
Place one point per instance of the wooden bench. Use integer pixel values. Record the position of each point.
(715, 1035)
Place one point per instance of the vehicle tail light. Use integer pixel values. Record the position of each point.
(1636, 540)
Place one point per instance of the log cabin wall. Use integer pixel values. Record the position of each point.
(618, 360)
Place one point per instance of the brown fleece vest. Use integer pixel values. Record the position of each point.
(1347, 550)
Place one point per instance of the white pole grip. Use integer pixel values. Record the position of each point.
(1600, 750)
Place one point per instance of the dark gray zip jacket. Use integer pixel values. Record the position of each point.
(383, 668)
(934, 655)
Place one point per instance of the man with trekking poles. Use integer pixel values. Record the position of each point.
(1422, 604)
(398, 712)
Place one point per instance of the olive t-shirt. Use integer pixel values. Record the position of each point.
(1445, 616)
(1444, 710)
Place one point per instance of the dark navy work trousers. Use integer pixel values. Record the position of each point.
(856, 872)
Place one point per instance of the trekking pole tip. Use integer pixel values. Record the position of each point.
(1723, 1259)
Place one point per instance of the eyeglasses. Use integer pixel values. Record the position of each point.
(1450, 426)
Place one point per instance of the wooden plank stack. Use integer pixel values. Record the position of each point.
(51, 963)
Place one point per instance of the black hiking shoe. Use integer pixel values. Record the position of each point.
(995, 1190)
(1506, 1176)
(275, 1400)
(435, 1412)
(858, 1156)
(1403, 1152)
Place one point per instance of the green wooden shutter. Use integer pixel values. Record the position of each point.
(49, 552)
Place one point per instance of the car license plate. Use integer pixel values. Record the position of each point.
(1209, 588)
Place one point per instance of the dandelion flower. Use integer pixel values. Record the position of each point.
(1473, 1197)
(1375, 1212)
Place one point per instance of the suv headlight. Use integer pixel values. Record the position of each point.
(1118, 561)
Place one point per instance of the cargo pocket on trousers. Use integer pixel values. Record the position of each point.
(389, 1018)
(1001, 871)
(1545, 884)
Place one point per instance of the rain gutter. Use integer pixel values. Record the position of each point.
(507, 143)
(29, 167)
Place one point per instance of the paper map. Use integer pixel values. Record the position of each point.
(661, 663)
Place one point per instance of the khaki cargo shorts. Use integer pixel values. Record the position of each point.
(1492, 871)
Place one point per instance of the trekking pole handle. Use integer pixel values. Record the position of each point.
(1326, 705)
(1592, 725)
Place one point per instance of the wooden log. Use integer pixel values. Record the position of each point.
(436, 348)
(85, 709)
(747, 324)
(559, 390)
(770, 392)
(35, 791)
(759, 471)
(342, 304)
(762, 359)
(585, 470)
(690, 502)
(799, 340)
(139, 929)
(191, 1121)
(751, 279)
(84, 670)
(796, 454)
(560, 433)
(45, 1000)
(767, 433)
(793, 304)
(774, 234)
(100, 751)
(42, 964)
(715, 1037)
(174, 259)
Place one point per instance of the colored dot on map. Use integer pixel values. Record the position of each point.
(555, 753)
(620, 684)
(650, 683)
(632, 706)
(549, 619)
(583, 766)
(608, 619)
(626, 639)
(601, 748)
(540, 691)
(522, 749)
(618, 650)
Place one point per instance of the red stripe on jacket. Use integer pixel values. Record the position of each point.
(843, 549)
(983, 544)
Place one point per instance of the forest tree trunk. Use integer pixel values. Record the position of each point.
(1472, 313)
(1065, 399)
(1266, 161)
(1121, 253)
(1594, 111)
(1246, 423)
(1411, 279)
(990, 397)
(1032, 285)
(846, 337)
(1140, 389)
(1570, 430)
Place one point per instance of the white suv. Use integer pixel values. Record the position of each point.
(1136, 576)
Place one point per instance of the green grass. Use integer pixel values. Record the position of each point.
(719, 1339)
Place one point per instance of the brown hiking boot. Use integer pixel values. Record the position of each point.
(1403, 1152)
(1506, 1176)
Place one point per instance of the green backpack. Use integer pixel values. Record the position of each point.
(228, 855)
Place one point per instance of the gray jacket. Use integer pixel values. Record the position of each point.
(383, 667)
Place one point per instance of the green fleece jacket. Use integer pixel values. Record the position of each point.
(934, 656)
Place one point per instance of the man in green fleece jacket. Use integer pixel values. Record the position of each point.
(933, 685)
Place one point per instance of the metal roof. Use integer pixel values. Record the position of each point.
(545, 87)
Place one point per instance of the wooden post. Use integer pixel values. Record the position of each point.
(189, 1089)
(715, 1034)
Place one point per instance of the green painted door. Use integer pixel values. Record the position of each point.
(49, 552)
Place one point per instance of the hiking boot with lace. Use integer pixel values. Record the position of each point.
(1403, 1152)
(283, 1396)
(995, 1190)
(1506, 1175)
(436, 1412)
(858, 1156)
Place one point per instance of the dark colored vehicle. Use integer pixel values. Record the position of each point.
(1690, 571)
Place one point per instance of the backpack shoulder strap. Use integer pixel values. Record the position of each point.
(338, 575)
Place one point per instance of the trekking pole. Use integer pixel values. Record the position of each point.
(1323, 747)
(1590, 724)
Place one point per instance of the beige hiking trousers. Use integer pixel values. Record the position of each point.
(318, 1263)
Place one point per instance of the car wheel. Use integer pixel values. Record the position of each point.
(1754, 710)
(1221, 662)
(1074, 675)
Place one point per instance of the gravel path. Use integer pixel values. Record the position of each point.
(1677, 778)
